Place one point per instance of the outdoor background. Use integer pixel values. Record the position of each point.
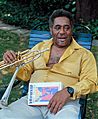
(19, 17)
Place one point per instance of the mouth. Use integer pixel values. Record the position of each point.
(62, 38)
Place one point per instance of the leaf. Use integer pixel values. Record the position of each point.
(74, 2)
(73, 9)
(67, 6)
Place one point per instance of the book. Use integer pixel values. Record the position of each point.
(41, 93)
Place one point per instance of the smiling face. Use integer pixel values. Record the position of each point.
(61, 32)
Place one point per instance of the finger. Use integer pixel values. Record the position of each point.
(50, 102)
(13, 54)
(55, 109)
(59, 107)
(6, 60)
(6, 57)
(9, 57)
(52, 106)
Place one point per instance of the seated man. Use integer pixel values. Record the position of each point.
(66, 62)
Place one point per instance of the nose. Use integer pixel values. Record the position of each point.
(62, 30)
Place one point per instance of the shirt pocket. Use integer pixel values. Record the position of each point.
(71, 68)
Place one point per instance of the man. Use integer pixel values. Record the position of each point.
(65, 62)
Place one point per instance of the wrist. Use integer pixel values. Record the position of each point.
(70, 90)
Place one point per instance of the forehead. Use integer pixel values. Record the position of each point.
(62, 21)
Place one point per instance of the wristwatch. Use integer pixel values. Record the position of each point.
(70, 91)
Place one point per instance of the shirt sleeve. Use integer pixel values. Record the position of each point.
(88, 76)
(25, 72)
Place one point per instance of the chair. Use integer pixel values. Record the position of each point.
(84, 38)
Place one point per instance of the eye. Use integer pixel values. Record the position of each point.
(67, 27)
(57, 27)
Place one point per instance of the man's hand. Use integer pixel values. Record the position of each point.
(9, 57)
(58, 101)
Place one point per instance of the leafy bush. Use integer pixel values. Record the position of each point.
(37, 12)
(94, 29)
(13, 13)
(43, 7)
(92, 26)
(28, 15)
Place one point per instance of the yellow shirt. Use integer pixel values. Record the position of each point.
(76, 68)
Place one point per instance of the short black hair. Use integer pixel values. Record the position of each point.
(59, 13)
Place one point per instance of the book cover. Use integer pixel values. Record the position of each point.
(41, 93)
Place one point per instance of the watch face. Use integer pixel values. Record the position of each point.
(70, 91)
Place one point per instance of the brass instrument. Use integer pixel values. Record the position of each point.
(23, 58)
(19, 54)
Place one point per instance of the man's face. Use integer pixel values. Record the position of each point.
(61, 31)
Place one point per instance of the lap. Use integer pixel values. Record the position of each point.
(71, 110)
(20, 110)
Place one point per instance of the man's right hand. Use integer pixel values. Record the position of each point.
(9, 56)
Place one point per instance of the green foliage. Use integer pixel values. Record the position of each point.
(13, 13)
(37, 12)
(71, 6)
(94, 28)
(10, 41)
(28, 15)
(2, 1)
(43, 7)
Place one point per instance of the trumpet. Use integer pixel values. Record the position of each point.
(23, 58)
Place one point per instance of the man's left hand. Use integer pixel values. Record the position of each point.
(58, 101)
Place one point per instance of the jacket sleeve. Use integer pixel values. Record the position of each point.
(88, 76)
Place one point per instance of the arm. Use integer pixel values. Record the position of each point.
(88, 76)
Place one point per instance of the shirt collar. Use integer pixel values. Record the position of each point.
(71, 48)
(74, 45)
